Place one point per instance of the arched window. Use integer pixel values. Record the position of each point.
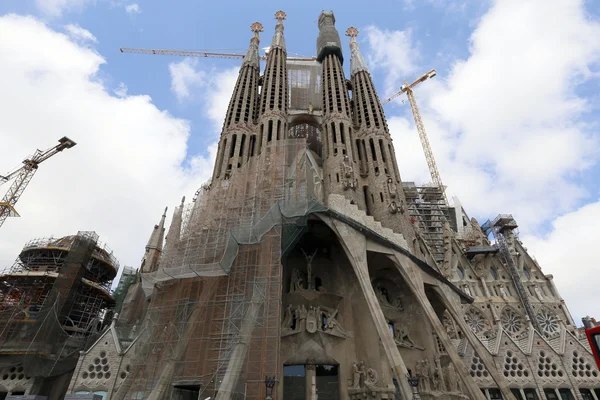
(461, 273)
(527, 273)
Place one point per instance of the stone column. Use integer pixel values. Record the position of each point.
(311, 380)
(355, 247)
(416, 287)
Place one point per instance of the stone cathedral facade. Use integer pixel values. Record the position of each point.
(307, 259)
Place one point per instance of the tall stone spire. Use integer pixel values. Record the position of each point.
(236, 146)
(339, 155)
(274, 95)
(278, 39)
(382, 189)
(357, 61)
(154, 246)
(175, 229)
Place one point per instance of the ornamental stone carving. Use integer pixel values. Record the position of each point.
(364, 383)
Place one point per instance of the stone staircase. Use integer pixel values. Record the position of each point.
(343, 206)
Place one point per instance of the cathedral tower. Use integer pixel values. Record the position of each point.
(238, 140)
(381, 184)
(339, 158)
(274, 99)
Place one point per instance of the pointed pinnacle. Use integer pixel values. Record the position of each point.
(165, 213)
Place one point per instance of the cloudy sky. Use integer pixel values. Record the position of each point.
(512, 115)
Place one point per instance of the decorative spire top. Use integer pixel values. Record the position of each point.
(165, 213)
(278, 40)
(357, 61)
(280, 16)
(251, 57)
(256, 28)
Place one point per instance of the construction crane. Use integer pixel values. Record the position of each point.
(408, 89)
(205, 54)
(22, 176)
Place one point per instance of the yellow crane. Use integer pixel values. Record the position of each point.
(22, 176)
(408, 89)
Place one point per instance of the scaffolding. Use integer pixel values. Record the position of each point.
(53, 303)
(213, 325)
(304, 85)
(429, 212)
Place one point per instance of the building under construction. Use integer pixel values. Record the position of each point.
(306, 267)
(54, 301)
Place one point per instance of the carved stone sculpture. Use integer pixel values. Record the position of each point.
(422, 371)
(356, 373)
(451, 378)
(288, 318)
(392, 188)
(297, 282)
(402, 337)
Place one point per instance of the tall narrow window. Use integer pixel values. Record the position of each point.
(232, 149)
(366, 196)
(242, 144)
(373, 149)
(270, 132)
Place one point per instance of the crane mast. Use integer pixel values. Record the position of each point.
(408, 89)
(23, 175)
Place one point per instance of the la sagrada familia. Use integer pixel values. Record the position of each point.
(306, 268)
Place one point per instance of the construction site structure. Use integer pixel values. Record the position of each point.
(23, 175)
(55, 300)
(428, 204)
(299, 270)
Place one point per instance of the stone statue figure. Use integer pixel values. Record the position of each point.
(451, 378)
(356, 373)
(392, 188)
(422, 371)
(288, 317)
(437, 376)
(372, 378)
(301, 314)
(309, 259)
(403, 338)
(393, 207)
(297, 282)
(381, 294)
(503, 292)
(361, 368)
(311, 320)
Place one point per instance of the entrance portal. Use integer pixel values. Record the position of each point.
(294, 382)
(299, 382)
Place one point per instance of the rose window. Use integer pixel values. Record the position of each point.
(511, 321)
(475, 320)
(548, 321)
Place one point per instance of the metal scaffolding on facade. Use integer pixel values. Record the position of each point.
(214, 321)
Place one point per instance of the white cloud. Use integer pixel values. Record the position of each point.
(133, 8)
(506, 124)
(507, 115)
(394, 52)
(80, 34)
(55, 8)
(121, 90)
(569, 254)
(185, 76)
(126, 166)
